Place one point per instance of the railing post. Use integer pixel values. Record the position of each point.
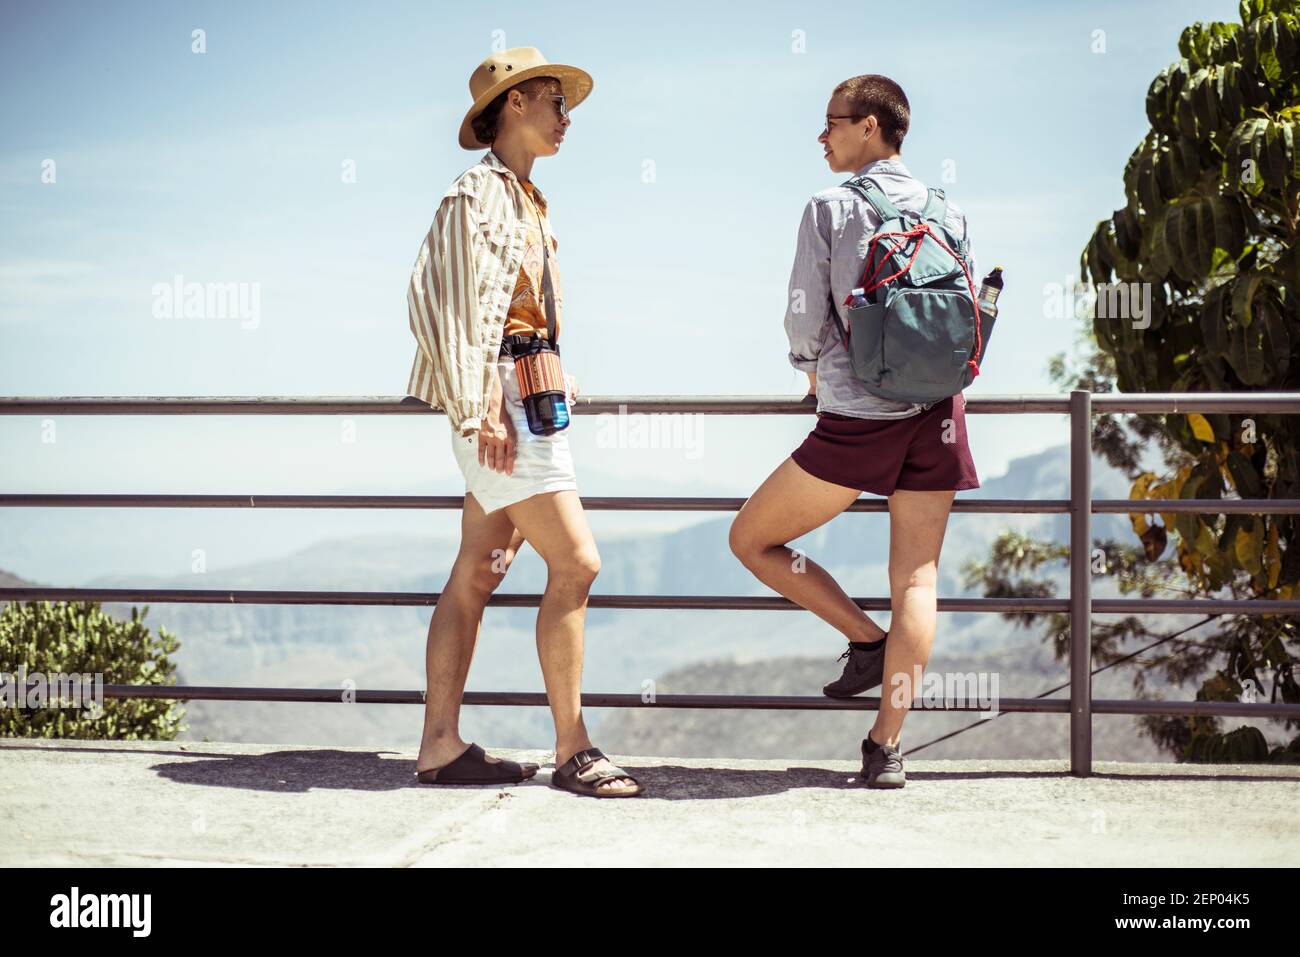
(1080, 583)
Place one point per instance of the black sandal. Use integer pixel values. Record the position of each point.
(472, 767)
(578, 775)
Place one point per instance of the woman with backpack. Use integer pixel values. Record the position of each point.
(914, 453)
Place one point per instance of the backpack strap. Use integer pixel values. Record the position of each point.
(936, 211)
(936, 207)
(875, 197)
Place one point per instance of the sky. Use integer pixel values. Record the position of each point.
(232, 165)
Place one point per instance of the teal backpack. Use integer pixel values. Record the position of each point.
(917, 334)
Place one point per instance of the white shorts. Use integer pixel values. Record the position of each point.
(543, 463)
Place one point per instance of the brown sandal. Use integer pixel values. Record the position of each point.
(579, 776)
(472, 767)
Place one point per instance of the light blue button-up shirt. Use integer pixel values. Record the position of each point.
(832, 247)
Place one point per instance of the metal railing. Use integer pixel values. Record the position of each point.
(1080, 507)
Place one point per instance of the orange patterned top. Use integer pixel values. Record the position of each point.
(527, 306)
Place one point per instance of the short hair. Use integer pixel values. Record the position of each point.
(874, 95)
(488, 123)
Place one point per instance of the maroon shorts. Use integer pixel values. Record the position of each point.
(926, 452)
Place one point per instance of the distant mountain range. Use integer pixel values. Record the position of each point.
(785, 652)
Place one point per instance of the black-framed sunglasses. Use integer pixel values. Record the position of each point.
(843, 116)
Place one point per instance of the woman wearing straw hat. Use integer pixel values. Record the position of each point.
(485, 289)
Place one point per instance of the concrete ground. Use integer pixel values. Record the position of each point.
(168, 803)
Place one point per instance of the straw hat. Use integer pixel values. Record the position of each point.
(501, 71)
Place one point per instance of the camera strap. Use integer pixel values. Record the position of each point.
(548, 292)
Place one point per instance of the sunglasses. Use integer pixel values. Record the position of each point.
(844, 116)
(561, 104)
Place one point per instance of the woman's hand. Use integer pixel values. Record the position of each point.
(573, 385)
(812, 383)
(496, 443)
(496, 434)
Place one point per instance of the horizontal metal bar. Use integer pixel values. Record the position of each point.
(398, 405)
(695, 701)
(1220, 506)
(624, 503)
(499, 600)
(1194, 606)
(1100, 606)
(1182, 402)
(538, 699)
(1147, 403)
(618, 503)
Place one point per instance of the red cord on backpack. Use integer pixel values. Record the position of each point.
(917, 232)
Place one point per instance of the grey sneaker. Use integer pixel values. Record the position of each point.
(883, 767)
(863, 671)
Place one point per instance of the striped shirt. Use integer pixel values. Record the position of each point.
(461, 289)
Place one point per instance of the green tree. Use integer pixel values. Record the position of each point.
(78, 638)
(1208, 230)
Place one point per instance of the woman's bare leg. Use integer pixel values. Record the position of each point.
(556, 526)
(488, 544)
(788, 504)
(917, 523)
